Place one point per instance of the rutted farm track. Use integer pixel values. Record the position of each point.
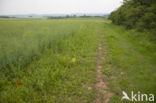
(102, 96)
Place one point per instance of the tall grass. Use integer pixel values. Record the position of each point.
(22, 41)
(64, 68)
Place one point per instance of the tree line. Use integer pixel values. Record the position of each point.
(140, 14)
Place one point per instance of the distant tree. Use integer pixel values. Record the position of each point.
(4, 17)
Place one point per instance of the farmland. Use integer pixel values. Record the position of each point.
(55, 60)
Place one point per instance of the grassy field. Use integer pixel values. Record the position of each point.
(54, 60)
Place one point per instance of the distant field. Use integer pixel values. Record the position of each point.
(55, 60)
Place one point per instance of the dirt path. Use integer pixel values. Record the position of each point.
(102, 96)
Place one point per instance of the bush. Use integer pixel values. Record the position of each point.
(140, 14)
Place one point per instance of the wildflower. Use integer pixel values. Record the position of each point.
(73, 60)
(19, 83)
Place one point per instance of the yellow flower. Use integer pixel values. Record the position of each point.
(73, 60)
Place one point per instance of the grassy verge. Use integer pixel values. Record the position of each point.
(129, 62)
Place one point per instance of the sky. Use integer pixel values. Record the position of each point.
(57, 6)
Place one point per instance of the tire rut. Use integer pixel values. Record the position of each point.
(102, 96)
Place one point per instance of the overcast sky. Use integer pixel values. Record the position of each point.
(57, 6)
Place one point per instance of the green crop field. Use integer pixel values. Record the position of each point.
(55, 61)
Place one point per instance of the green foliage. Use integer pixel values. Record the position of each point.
(139, 14)
(107, 71)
